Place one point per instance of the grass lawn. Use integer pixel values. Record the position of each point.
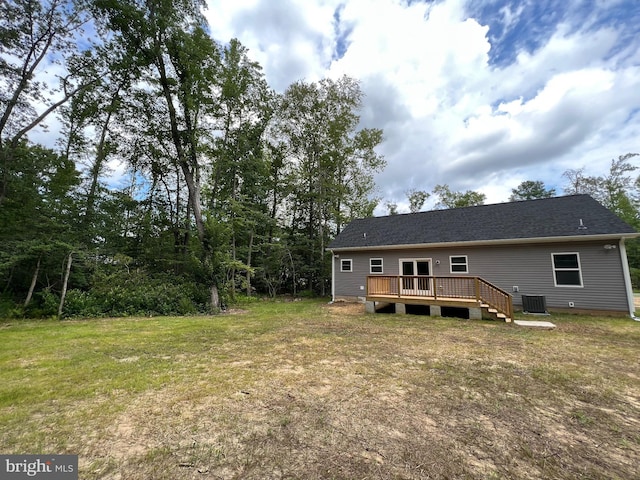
(306, 390)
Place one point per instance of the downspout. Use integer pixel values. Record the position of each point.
(333, 277)
(627, 280)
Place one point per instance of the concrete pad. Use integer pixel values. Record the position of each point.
(535, 324)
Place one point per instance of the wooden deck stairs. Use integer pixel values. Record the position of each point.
(492, 313)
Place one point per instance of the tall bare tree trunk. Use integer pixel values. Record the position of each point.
(293, 272)
(249, 265)
(33, 283)
(215, 298)
(99, 160)
(232, 273)
(64, 284)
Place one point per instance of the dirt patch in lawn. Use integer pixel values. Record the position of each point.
(235, 311)
(345, 308)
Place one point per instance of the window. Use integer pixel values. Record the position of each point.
(375, 265)
(459, 264)
(566, 270)
(346, 265)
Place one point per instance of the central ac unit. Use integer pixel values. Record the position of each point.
(534, 304)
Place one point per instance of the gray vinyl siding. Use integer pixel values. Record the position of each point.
(529, 267)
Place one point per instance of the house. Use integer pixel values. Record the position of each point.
(562, 253)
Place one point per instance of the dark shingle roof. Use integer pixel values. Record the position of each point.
(529, 219)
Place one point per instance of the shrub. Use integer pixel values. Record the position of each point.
(117, 294)
(9, 309)
(123, 294)
(79, 303)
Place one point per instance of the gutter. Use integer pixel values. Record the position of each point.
(506, 241)
(333, 277)
(627, 281)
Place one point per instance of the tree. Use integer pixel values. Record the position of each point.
(168, 40)
(227, 183)
(529, 190)
(579, 183)
(392, 208)
(416, 199)
(330, 167)
(33, 32)
(449, 199)
(38, 220)
(237, 191)
(90, 133)
(617, 190)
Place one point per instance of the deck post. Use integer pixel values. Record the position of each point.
(477, 285)
(369, 307)
(475, 313)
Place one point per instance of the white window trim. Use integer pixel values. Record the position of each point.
(553, 267)
(466, 263)
(350, 265)
(381, 266)
(415, 261)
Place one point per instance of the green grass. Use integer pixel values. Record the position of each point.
(304, 390)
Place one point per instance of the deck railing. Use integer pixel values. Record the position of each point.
(434, 287)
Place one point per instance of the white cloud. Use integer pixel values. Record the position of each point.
(449, 114)
(291, 39)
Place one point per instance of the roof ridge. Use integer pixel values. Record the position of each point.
(484, 205)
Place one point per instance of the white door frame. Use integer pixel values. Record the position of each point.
(415, 286)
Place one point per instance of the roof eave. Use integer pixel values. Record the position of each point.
(507, 241)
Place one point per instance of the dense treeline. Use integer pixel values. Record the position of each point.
(230, 188)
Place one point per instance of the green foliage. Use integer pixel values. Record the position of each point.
(330, 170)
(450, 199)
(124, 294)
(9, 309)
(38, 224)
(79, 303)
(635, 277)
(229, 185)
(116, 295)
(416, 199)
(308, 293)
(529, 190)
(618, 190)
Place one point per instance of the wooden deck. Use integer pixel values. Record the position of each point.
(451, 291)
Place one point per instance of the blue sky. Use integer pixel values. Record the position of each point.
(477, 94)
